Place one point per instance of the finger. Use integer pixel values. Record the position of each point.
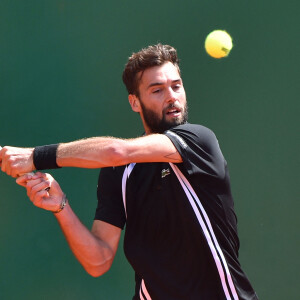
(7, 168)
(31, 179)
(3, 166)
(38, 199)
(28, 174)
(38, 188)
(41, 186)
(33, 182)
(48, 177)
(23, 179)
(42, 175)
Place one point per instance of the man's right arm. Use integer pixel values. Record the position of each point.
(15, 161)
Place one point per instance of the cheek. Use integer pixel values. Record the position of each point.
(183, 95)
(183, 100)
(153, 101)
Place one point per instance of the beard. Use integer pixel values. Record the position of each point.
(160, 125)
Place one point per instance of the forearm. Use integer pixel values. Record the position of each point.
(93, 254)
(97, 152)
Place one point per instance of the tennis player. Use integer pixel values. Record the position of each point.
(169, 190)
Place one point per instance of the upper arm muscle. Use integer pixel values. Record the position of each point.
(152, 148)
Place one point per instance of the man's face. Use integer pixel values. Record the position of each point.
(162, 98)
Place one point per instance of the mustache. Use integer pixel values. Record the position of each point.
(173, 105)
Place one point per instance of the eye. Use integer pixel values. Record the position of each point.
(156, 91)
(176, 87)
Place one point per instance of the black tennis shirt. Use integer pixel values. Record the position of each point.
(181, 230)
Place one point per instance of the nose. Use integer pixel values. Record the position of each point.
(171, 96)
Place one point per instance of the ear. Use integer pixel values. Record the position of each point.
(134, 103)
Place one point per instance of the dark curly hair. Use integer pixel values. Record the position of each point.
(155, 55)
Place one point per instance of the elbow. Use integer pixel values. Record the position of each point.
(97, 271)
(96, 267)
(117, 153)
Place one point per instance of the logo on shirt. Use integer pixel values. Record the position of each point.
(165, 172)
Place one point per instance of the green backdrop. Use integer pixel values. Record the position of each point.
(60, 80)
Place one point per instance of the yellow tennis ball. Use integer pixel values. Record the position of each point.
(218, 43)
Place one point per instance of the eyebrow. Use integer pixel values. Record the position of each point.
(161, 83)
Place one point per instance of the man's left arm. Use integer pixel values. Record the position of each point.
(97, 152)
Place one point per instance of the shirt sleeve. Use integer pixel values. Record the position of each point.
(199, 149)
(110, 207)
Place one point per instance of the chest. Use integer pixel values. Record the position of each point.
(155, 197)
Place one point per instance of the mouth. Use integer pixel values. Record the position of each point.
(173, 112)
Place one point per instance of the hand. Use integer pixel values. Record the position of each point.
(16, 161)
(42, 189)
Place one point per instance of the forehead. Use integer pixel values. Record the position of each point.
(161, 74)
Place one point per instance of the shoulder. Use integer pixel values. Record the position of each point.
(193, 128)
(192, 131)
(199, 149)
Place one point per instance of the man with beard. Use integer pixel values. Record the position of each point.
(169, 187)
